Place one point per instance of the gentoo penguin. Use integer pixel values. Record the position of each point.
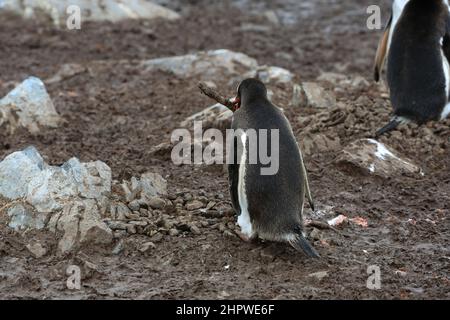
(268, 206)
(417, 44)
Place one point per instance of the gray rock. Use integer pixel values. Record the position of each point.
(118, 248)
(333, 78)
(156, 203)
(36, 249)
(53, 187)
(206, 65)
(270, 74)
(92, 10)
(131, 229)
(116, 225)
(310, 94)
(216, 116)
(316, 234)
(134, 205)
(369, 156)
(22, 217)
(92, 229)
(153, 185)
(28, 106)
(66, 71)
(194, 205)
(24, 174)
(319, 143)
(71, 195)
(66, 222)
(343, 81)
(93, 179)
(195, 230)
(147, 246)
(148, 186)
(319, 275)
(122, 212)
(17, 170)
(81, 224)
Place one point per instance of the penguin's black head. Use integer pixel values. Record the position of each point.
(248, 91)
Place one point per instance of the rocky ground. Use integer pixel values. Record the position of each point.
(141, 227)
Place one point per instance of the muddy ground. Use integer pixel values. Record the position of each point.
(118, 113)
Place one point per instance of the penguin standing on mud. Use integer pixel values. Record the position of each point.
(269, 206)
(417, 44)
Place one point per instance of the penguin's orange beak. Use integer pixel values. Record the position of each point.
(236, 103)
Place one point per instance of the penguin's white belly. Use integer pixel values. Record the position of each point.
(446, 67)
(446, 112)
(244, 220)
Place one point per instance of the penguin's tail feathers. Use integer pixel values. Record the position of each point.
(392, 125)
(299, 242)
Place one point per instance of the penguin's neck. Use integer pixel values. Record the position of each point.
(257, 100)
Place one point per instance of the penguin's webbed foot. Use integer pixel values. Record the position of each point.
(244, 237)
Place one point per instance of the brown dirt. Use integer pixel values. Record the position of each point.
(116, 113)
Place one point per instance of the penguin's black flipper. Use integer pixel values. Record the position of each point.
(392, 125)
(233, 178)
(299, 243)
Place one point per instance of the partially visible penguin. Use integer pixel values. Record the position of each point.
(417, 44)
(268, 206)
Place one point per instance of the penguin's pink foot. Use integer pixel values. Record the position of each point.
(245, 238)
(242, 236)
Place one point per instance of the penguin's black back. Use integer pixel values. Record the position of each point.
(415, 67)
(280, 195)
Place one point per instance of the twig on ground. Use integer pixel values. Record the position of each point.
(213, 94)
(320, 225)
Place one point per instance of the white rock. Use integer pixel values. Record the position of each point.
(270, 74)
(373, 157)
(73, 194)
(216, 116)
(22, 218)
(53, 187)
(29, 106)
(91, 10)
(92, 178)
(207, 65)
(17, 170)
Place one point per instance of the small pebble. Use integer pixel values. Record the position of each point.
(157, 203)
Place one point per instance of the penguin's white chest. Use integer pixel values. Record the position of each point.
(446, 68)
(244, 220)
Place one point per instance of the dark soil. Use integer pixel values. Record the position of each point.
(116, 113)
